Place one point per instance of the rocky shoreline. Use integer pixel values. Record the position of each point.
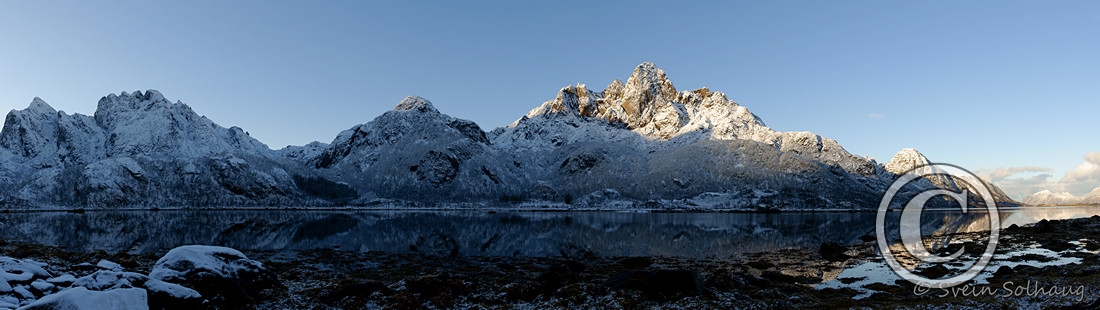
(335, 278)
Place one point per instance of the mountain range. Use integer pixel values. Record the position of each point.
(641, 143)
(1048, 198)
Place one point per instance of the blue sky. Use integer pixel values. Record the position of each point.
(983, 84)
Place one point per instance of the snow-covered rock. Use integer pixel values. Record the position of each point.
(160, 294)
(216, 273)
(22, 282)
(183, 261)
(64, 279)
(8, 264)
(27, 283)
(80, 298)
(171, 291)
(108, 280)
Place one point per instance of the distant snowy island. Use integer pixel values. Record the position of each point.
(641, 144)
(1048, 198)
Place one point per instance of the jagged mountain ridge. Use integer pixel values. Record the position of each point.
(649, 105)
(48, 138)
(645, 140)
(636, 141)
(909, 159)
(417, 153)
(639, 140)
(138, 149)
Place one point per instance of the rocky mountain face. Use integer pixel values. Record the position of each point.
(645, 140)
(642, 142)
(650, 109)
(138, 149)
(47, 138)
(416, 153)
(909, 159)
(1048, 198)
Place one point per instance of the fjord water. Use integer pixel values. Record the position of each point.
(502, 233)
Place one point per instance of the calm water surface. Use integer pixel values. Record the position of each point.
(501, 233)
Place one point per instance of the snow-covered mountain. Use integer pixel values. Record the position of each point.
(148, 124)
(645, 140)
(910, 159)
(417, 153)
(1048, 198)
(647, 111)
(641, 141)
(138, 149)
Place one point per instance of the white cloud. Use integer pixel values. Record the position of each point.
(1089, 170)
(1001, 173)
(1020, 182)
(1022, 187)
(874, 115)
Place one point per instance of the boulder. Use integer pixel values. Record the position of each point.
(22, 281)
(1004, 271)
(222, 276)
(935, 272)
(833, 252)
(1044, 226)
(161, 295)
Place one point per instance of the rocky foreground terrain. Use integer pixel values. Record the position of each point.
(41, 277)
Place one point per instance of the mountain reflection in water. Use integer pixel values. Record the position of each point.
(501, 233)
